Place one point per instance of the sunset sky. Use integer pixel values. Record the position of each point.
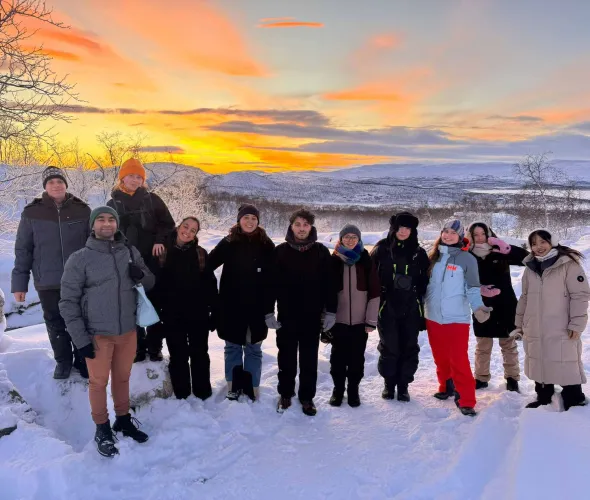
(283, 84)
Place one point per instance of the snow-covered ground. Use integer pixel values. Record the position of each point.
(219, 449)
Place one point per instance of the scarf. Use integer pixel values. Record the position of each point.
(482, 250)
(550, 255)
(348, 256)
(121, 187)
(301, 245)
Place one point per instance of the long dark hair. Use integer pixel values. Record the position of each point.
(486, 229)
(561, 249)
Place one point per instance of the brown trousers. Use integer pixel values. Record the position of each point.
(114, 355)
(483, 353)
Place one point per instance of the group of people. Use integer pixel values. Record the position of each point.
(87, 266)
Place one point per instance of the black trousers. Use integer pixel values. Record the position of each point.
(189, 361)
(399, 350)
(347, 360)
(291, 340)
(572, 395)
(60, 339)
(150, 339)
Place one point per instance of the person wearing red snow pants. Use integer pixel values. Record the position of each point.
(453, 292)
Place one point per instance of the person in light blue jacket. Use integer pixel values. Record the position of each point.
(453, 292)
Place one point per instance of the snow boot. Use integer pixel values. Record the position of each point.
(354, 400)
(105, 441)
(337, 396)
(284, 404)
(247, 387)
(402, 394)
(467, 411)
(536, 404)
(388, 391)
(139, 356)
(231, 394)
(62, 371)
(512, 385)
(129, 426)
(450, 390)
(236, 386)
(309, 408)
(480, 385)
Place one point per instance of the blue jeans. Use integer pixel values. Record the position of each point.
(252, 360)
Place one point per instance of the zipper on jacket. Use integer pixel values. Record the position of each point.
(382, 306)
(61, 241)
(350, 293)
(111, 249)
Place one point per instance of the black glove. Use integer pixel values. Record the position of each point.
(135, 272)
(87, 351)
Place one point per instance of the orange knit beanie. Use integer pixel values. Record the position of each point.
(132, 166)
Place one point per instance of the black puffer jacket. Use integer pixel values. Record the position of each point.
(243, 288)
(145, 221)
(46, 237)
(495, 270)
(186, 288)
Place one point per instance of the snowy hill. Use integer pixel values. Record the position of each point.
(222, 450)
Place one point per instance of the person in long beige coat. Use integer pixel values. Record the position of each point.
(551, 315)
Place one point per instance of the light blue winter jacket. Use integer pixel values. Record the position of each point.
(454, 287)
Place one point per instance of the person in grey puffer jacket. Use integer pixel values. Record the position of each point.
(51, 228)
(98, 304)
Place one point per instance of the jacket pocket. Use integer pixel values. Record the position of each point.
(570, 350)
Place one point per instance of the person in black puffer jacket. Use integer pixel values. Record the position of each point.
(246, 255)
(146, 223)
(494, 258)
(185, 297)
(51, 229)
(403, 273)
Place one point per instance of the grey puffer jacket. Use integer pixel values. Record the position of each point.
(46, 237)
(97, 294)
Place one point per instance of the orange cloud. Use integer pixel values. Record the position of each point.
(196, 35)
(369, 92)
(72, 36)
(386, 41)
(274, 19)
(291, 24)
(54, 54)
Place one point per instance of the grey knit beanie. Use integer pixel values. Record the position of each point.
(350, 229)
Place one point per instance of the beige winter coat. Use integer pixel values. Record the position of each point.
(548, 307)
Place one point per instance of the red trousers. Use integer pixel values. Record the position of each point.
(449, 344)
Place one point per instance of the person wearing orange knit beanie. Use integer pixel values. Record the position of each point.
(146, 223)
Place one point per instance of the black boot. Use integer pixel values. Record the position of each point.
(388, 391)
(512, 385)
(402, 394)
(139, 356)
(129, 426)
(354, 400)
(284, 404)
(480, 385)
(156, 356)
(62, 371)
(247, 387)
(337, 396)
(450, 390)
(105, 441)
(308, 407)
(467, 411)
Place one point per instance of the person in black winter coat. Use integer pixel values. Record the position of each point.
(403, 273)
(146, 223)
(185, 297)
(51, 228)
(494, 258)
(246, 255)
(304, 289)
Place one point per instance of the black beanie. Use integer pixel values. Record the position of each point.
(248, 210)
(405, 219)
(53, 173)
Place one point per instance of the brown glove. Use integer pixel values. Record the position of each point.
(573, 335)
(482, 314)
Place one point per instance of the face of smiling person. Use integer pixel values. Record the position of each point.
(56, 189)
(540, 247)
(249, 223)
(403, 233)
(449, 237)
(105, 227)
(187, 231)
(479, 236)
(350, 240)
(301, 228)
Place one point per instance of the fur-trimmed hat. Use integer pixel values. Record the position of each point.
(404, 219)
